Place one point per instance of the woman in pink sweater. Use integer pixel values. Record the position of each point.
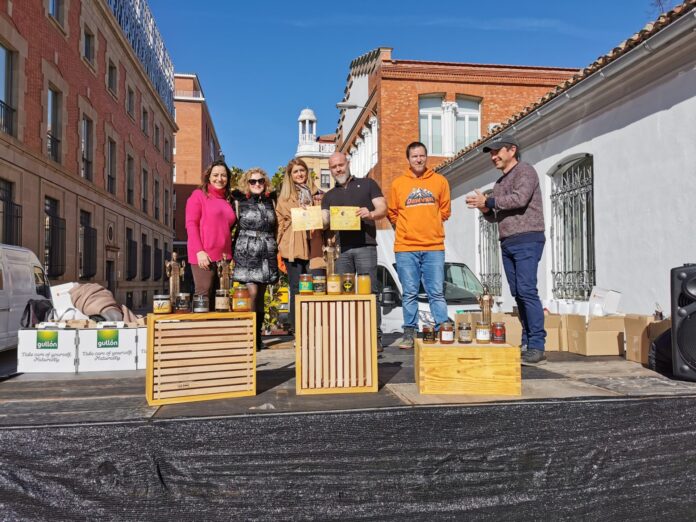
(209, 220)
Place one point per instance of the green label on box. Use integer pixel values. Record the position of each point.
(107, 338)
(47, 340)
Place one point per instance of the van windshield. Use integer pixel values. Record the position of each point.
(461, 285)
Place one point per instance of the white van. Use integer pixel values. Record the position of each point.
(21, 278)
(461, 287)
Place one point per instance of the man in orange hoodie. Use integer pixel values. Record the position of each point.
(419, 204)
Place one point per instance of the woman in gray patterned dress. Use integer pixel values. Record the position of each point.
(255, 249)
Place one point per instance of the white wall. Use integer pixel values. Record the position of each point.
(643, 148)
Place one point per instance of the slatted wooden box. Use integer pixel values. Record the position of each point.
(198, 357)
(336, 344)
(458, 369)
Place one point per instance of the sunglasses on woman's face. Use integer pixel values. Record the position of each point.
(257, 181)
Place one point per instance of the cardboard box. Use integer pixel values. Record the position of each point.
(44, 350)
(141, 354)
(636, 336)
(601, 336)
(106, 349)
(467, 369)
(563, 334)
(656, 328)
(552, 325)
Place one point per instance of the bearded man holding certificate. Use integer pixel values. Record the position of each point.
(351, 208)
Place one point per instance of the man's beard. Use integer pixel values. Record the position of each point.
(341, 180)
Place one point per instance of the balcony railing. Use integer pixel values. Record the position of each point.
(54, 253)
(53, 147)
(131, 259)
(7, 116)
(11, 219)
(146, 263)
(188, 94)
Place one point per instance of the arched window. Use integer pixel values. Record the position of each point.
(489, 254)
(572, 228)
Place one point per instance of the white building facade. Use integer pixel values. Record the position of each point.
(614, 154)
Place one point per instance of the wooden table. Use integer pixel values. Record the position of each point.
(336, 343)
(467, 369)
(198, 357)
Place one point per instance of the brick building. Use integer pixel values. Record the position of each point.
(389, 103)
(197, 146)
(315, 150)
(86, 129)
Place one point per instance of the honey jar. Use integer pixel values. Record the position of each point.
(429, 335)
(348, 283)
(183, 302)
(319, 283)
(241, 300)
(364, 284)
(201, 304)
(498, 333)
(483, 333)
(464, 333)
(222, 300)
(306, 284)
(446, 333)
(333, 284)
(161, 304)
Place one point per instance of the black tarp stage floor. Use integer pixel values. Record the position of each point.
(591, 438)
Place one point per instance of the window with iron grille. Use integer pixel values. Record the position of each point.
(10, 215)
(111, 166)
(87, 247)
(7, 111)
(143, 192)
(572, 229)
(145, 259)
(54, 239)
(159, 262)
(53, 133)
(130, 181)
(489, 255)
(86, 146)
(131, 255)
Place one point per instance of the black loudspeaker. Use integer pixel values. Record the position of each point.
(683, 280)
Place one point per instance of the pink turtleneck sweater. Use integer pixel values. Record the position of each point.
(209, 220)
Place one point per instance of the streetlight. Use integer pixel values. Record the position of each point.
(347, 105)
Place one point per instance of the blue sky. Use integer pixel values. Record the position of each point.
(260, 63)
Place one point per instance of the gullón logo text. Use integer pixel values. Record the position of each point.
(46, 340)
(107, 338)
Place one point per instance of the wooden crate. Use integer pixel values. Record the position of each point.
(457, 369)
(336, 344)
(199, 357)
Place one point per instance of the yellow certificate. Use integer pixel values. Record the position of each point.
(344, 218)
(306, 218)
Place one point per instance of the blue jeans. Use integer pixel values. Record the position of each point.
(427, 266)
(362, 260)
(520, 262)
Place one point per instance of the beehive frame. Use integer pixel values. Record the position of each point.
(199, 357)
(335, 344)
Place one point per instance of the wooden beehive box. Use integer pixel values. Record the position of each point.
(336, 344)
(457, 369)
(198, 357)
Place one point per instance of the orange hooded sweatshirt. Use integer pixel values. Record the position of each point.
(418, 207)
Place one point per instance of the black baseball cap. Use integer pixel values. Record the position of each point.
(500, 141)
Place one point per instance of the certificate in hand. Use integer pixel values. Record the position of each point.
(344, 218)
(306, 218)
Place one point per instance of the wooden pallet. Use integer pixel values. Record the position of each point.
(465, 369)
(336, 344)
(199, 357)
